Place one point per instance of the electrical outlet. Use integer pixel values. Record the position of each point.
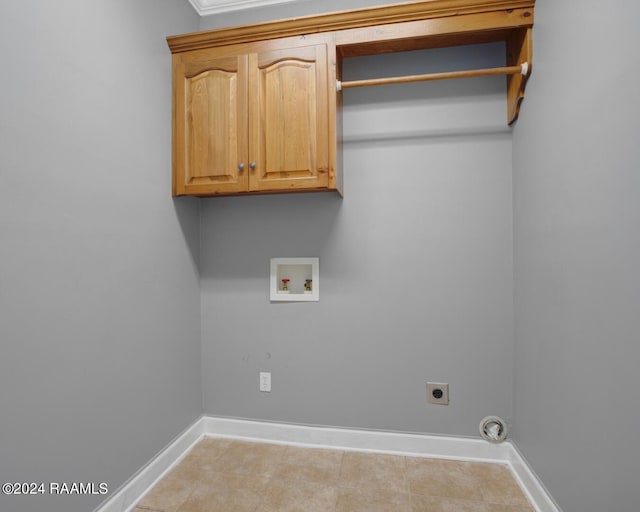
(438, 393)
(265, 382)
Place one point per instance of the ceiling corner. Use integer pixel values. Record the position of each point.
(207, 7)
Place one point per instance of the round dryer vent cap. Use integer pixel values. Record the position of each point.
(493, 429)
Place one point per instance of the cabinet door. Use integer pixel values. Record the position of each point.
(289, 119)
(210, 125)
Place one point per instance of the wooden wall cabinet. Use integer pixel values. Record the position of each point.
(256, 108)
(255, 118)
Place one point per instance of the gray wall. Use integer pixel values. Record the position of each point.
(99, 300)
(577, 225)
(415, 266)
(99, 294)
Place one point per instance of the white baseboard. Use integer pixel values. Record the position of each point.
(129, 494)
(459, 448)
(531, 485)
(443, 447)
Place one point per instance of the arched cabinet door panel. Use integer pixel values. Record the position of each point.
(288, 114)
(210, 126)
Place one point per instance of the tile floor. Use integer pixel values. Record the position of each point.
(237, 476)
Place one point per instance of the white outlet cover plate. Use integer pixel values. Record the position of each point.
(265, 382)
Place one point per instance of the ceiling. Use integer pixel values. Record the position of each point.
(206, 7)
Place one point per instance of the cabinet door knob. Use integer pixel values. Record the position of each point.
(252, 165)
(241, 167)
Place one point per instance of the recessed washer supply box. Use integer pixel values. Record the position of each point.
(294, 280)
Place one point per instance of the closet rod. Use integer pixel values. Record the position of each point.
(507, 70)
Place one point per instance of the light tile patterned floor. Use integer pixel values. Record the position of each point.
(236, 476)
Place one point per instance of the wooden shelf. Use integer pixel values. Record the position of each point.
(487, 14)
(400, 27)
